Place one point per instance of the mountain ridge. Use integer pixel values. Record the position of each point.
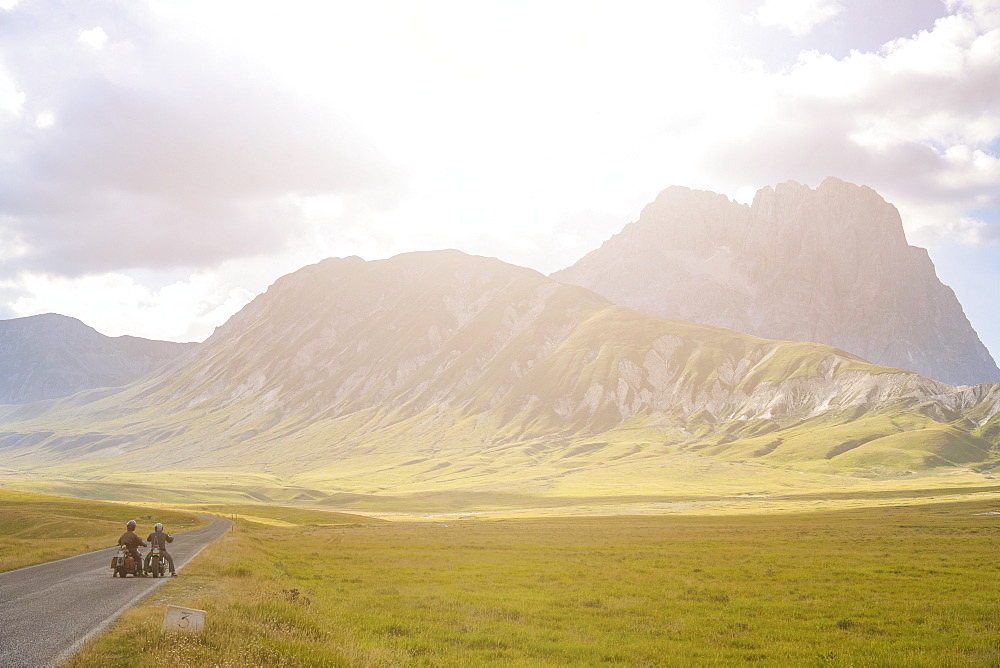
(440, 368)
(830, 265)
(48, 356)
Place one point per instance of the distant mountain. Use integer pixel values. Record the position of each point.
(439, 369)
(830, 265)
(50, 356)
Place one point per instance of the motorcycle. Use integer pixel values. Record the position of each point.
(156, 562)
(123, 564)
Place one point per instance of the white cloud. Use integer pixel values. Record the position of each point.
(918, 121)
(45, 119)
(11, 97)
(797, 16)
(945, 225)
(166, 154)
(95, 38)
(239, 141)
(116, 304)
(985, 12)
(12, 246)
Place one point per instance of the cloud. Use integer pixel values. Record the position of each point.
(11, 97)
(985, 12)
(797, 16)
(919, 121)
(95, 38)
(116, 304)
(965, 230)
(127, 146)
(529, 132)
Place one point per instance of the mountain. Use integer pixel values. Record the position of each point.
(49, 356)
(830, 265)
(442, 370)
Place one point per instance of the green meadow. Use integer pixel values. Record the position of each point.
(35, 528)
(892, 585)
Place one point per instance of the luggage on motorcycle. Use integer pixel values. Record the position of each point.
(156, 562)
(124, 563)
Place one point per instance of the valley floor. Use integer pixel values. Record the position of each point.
(893, 585)
(36, 528)
(683, 485)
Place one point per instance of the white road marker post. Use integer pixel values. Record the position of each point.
(184, 620)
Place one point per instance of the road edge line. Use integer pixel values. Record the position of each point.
(68, 653)
(109, 549)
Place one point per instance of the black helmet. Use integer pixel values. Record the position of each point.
(131, 525)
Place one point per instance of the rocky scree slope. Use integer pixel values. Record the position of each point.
(830, 265)
(427, 351)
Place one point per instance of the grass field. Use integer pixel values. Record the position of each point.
(35, 528)
(908, 585)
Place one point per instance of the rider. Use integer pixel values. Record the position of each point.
(160, 539)
(133, 543)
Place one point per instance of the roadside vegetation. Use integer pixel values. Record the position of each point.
(35, 528)
(911, 585)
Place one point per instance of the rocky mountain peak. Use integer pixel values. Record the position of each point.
(829, 265)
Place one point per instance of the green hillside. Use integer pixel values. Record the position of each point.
(442, 371)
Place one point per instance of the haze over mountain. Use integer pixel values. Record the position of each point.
(443, 370)
(830, 265)
(49, 356)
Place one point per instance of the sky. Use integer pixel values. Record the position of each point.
(164, 161)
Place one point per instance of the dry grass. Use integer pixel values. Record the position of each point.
(35, 528)
(888, 586)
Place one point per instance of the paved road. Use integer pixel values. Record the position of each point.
(47, 612)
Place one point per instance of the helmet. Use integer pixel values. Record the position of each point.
(131, 525)
(157, 527)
